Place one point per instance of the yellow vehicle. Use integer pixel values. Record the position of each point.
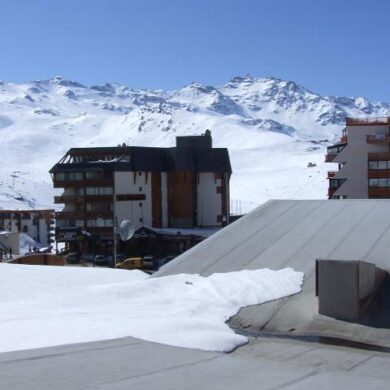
(131, 263)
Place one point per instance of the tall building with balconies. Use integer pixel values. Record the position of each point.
(363, 158)
(186, 186)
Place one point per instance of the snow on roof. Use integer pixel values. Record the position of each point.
(294, 233)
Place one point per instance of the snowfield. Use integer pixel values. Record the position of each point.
(273, 128)
(46, 306)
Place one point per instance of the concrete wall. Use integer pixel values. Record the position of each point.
(127, 183)
(10, 240)
(209, 201)
(355, 154)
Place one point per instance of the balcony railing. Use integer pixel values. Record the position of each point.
(80, 199)
(379, 156)
(378, 173)
(383, 192)
(330, 157)
(68, 199)
(84, 215)
(368, 121)
(378, 139)
(83, 183)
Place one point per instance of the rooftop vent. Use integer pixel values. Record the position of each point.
(347, 289)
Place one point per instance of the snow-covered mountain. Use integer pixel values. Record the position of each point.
(273, 129)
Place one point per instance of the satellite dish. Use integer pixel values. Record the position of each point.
(126, 230)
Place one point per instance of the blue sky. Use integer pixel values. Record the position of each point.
(332, 47)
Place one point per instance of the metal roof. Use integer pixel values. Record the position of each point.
(128, 363)
(294, 233)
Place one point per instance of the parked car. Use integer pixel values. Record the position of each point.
(73, 258)
(149, 262)
(102, 260)
(131, 263)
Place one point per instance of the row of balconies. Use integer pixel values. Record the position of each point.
(84, 214)
(83, 183)
(81, 199)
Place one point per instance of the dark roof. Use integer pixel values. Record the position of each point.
(150, 159)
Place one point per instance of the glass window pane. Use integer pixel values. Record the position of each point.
(373, 182)
(373, 165)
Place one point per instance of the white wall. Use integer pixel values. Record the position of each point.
(209, 201)
(124, 185)
(356, 156)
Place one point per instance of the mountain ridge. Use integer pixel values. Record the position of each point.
(272, 127)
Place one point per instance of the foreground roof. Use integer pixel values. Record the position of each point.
(293, 233)
(129, 363)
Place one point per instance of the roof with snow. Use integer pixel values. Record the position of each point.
(293, 233)
(187, 156)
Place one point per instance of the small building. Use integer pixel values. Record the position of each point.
(38, 224)
(182, 187)
(363, 158)
(162, 242)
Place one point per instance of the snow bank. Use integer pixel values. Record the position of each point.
(45, 306)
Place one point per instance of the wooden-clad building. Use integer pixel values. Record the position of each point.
(185, 186)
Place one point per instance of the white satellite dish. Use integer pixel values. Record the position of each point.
(126, 230)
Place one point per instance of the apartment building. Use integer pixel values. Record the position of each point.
(185, 186)
(38, 224)
(363, 158)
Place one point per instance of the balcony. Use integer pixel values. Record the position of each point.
(80, 199)
(367, 121)
(379, 192)
(68, 199)
(84, 214)
(378, 173)
(103, 182)
(379, 156)
(330, 157)
(378, 139)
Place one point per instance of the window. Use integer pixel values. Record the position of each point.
(60, 176)
(75, 176)
(379, 183)
(379, 164)
(373, 182)
(93, 175)
(140, 189)
(100, 222)
(373, 165)
(79, 191)
(99, 191)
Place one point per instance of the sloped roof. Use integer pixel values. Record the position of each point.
(294, 233)
(151, 159)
